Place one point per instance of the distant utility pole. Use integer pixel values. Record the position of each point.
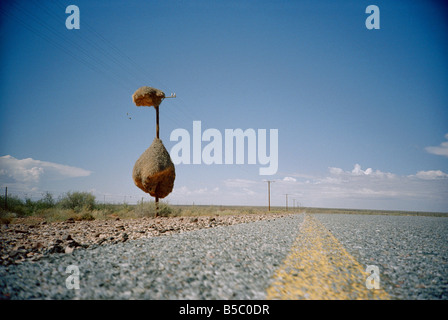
(286, 194)
(6, 198)
(294, 202)
(269, 193)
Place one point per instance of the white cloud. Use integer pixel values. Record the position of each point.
(431, 175)
(357, 171)
(239, 183)
(249, 192)
(29, 171)
(289, 179)
(185, 191)
(441, 150)
(335, 170)
(374, 189)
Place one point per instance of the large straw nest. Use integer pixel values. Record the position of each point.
(154, 171)
(147, 96)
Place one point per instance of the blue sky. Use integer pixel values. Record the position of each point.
(362, 115)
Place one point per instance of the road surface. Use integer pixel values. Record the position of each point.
(299, 256)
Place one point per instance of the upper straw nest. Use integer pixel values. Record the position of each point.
(147, 96)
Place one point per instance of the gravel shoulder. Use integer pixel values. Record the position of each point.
(32, 238)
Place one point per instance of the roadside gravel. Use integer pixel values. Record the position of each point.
(32, 238)
(231, 262)
(410, 251)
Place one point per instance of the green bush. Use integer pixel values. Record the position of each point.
(15, 205)
(46, 202)
(77, 201)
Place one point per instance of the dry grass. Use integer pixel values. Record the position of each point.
(147, 209)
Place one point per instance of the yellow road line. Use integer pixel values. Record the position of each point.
(319, 268)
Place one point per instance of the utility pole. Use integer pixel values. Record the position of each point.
(286, 194)
(269, 193)
(6, 198)
(294, 202)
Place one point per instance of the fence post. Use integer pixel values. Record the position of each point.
(6, 198)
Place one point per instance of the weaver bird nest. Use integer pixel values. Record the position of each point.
(147, 96)
(154, 171)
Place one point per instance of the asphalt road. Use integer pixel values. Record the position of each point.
(321, 256)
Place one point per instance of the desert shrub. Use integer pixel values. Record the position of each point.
(100, 213)
(77, 201)
(6, 217)
(148, 209)
(15, 205)
(46, 202)
(56, 214)
(84, 215)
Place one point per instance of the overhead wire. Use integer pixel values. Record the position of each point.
(106, 63)
(129, 65)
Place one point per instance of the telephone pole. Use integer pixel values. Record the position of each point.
(269, 193)
(6, 198)
(286, 194)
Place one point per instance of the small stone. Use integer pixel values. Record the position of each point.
(16, 253)
(56, 249)
(69, 249)
(36, 257)
(38, 246)
(73, 244)
(67, 237)
(125, 237)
